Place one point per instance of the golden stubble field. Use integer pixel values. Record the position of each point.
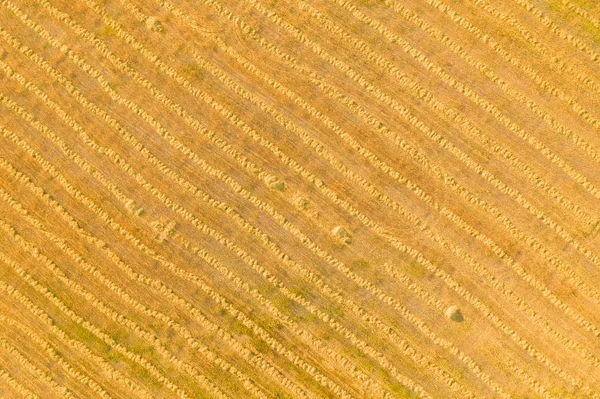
(299, 199)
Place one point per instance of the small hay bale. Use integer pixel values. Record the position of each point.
(340, 233)
(162, 230)
(453, 313)
(154, 24)
(134, 208)
(274, 183)
(301, 202)
(305, 205)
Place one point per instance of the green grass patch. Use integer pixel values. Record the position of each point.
(336, 311)
(555, 5)
(193, 69)
(414, 270)
(144, 375)
(141, 349)
(240, 329)
(109, 31)
(562, 394)
(367, 3)
(262, 346)
(283, 395)
(114, 356)
(587, 28)
(87, 338)
(399, 391)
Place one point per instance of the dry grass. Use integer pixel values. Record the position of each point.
(299, 199)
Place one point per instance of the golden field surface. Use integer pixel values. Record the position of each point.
(299, 199)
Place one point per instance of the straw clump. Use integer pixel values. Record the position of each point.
(454, 313)
(154, 25)
(341, 234)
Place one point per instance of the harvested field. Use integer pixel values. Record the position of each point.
(299, 199)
